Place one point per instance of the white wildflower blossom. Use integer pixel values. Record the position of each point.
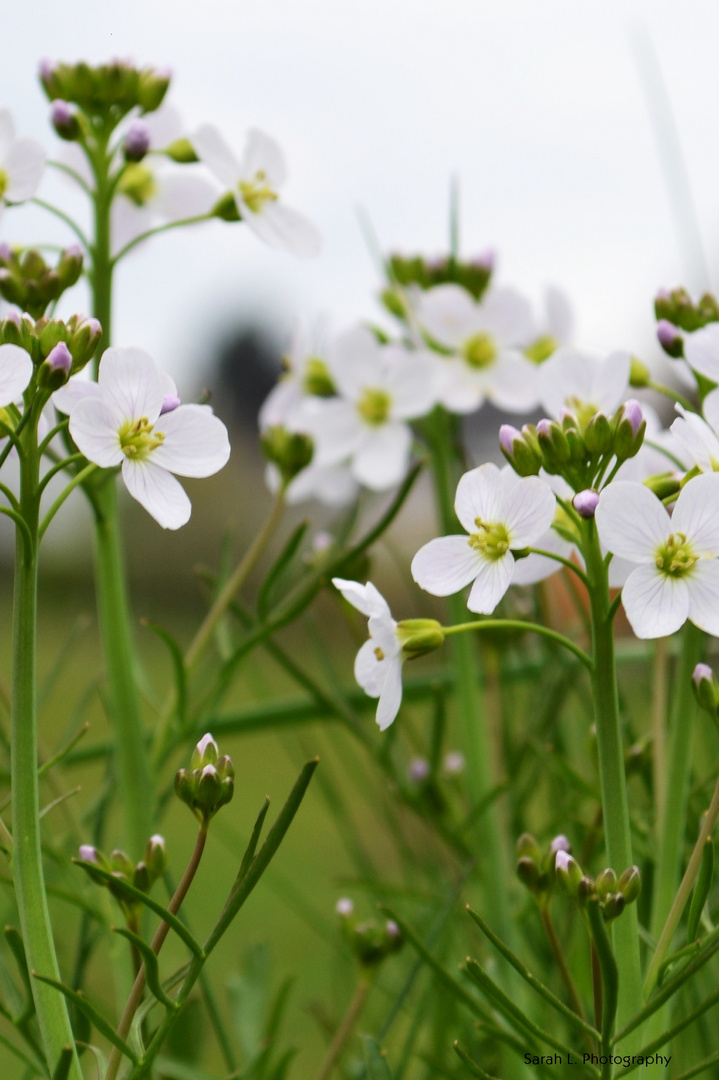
(21, 163)
(583, 382)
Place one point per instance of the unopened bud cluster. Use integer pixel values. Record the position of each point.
(57, 349)
(578, 448)
(290, 451)
(372, 940)
(106, 92)
(676, 312)
(209, 783)
(414, 270)
(611, 892)
(535, 866)
(28, 281)
(141, 875)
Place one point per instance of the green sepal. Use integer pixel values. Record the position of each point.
(94, 1016)
(152, 965)
(136, 895)
(702, 889)
(375, 1060)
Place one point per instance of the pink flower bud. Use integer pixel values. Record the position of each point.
(88, 853)
(418, 770)
(59, 358)
(670, 338)
(344, 907)
(169, 403)
(544, 427)
(585, 503)
(137, 140)
(560, 843)
(701, 672)
(507, 436)
(633, 413)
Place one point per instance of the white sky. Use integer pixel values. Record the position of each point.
(538, 107)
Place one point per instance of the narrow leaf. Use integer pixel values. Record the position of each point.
(471, 1066)
(254, 840)
(699, 1067)
(178, 667)
(62, 1069)
(281, 563)
(56, 802)
(280, 1070)
(120, 885)
(533, 981)
(608, 965)
(53, 761)
(701, 890)
(375, 1060)
(152, 965)
(31, 1063)
(96, 1018)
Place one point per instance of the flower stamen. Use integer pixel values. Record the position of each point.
(676, 557)
(139, 439)
(4, 182)
(374, 405)
(256, 192)
(492, 541)
(480, 351)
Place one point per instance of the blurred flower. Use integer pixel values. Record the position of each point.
(21, 163)
(117, 422)
(678, 575)
(15, 373)
(555, 329)
(583, 383)
(253, 180)
(499, 511)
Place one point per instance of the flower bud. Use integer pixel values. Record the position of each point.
(420, 636)
(630, 884)
(55, 371)
(205, 753)
(568, 871)
(520, 453)
(629, 431)
(69, 267)
(208, 784)
(454, 763)
(141, 877)
(585, 889)
(83, 339)
(182, 151)
(65, 120)
(639, 373)
(706, 690)
(152, 87)
(585, 503)
(555, 449)
(670, 339)
(344, 907)
(598, 434)
(290, 451)
(137, 141)
(528, 873)
(88, 853)
(226, 208)
(606, 882)
(155, 857)
(613, 906)
(559, 843)
(418, 771)
(528, 846)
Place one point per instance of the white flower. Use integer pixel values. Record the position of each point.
(701, 351)
(128, 418)
(332, 485)
(678, 573)
(21, 163)
(254, 180)
(306, 375)
(486, 337)
(583, 383)
(378, 665)
(380, 387)
(698, 438)
(554, 330)
(500, 512)
(15, 373)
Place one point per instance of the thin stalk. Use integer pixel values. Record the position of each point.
(561, 961)
(28, 876)
(611, 770)
(156, 944)
(519, 624)
(344, 1031)
(659, 712)
(219, 608)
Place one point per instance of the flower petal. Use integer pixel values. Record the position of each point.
(281, 227)
(7, 131)
(93, 426)
(527, 510)
(366, 598)
(355, 360)
(445, 565)
(656, 604)
(696, 513)
(262, 154)
(479, 495)
(369, 670)
(162, 496)
(513, 383)
(491, 584)
(703, 588)
(631, 521)
(24, 164)
(381, 460)
(195, 444)
(66, 398)
(15, 373)
(538, 567)
(210, 147)
(701, 351)
(391, 696)
(448, 313)
(131, 384)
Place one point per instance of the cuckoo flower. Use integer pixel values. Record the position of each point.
(485, 340)
(555, 329)
(583, 383)
(21, 163)
(128, 418)
(500, 512)
(15, 373)
(699, 439)
(677, 573)
(254, 180)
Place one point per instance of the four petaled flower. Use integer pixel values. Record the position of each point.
(678, 573)
(128, 418)
(253, 181)
(500, 513)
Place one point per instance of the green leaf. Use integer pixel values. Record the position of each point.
(254, 840)
(610, 972)
(701, 890)
(96, 1018)
(242, 888)
(17, 947)
(62, 1069)
(152, 966)
(31, 1063)
(280, 1070)
(375, 1060)
(528, 977)
(120, 885)
(178, 667)
(472, 1067)
(53, 761)
(281, 563)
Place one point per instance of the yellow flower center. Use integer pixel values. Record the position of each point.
(541, 349)
(139, 439)
(492, 541)
(378, 653)
(676, 556)
(480, 351)
(138, 184)
(374, 406)
(256, 192)
(4, 182)
(583, 410)
(317, 380)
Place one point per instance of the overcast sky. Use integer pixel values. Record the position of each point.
(539, 108)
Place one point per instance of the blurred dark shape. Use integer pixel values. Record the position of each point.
(247, 366)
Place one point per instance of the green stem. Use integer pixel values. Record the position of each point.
(30, 891)
(159, 229)
(519, 624)
(344, 1031)
(486, 831)
(611, 770)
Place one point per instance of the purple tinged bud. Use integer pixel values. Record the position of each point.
(73, 251)
(507, 436)
(454, 763)
(5, 252)
(633, 413)
(137, 140)
(60, 113)
(59, 358)
(663, 294)
(560, 843)
(544, 427)
(206, 743)
(344, 907)
(585, 502)
(668, 335)
(209, 770)
(418, 770)
(563, 861)
(487, 259)
(169, 403)
(47, 69)
(392, 930)
(13, 316)
(88, 853)
(702, 672)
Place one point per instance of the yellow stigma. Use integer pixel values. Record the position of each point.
(676, 556)
(138, 184)
(256, 192)
(374, 406)
(541, 349)
(480, 351)
(139, 439)
(491, 540)
(4, 182)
